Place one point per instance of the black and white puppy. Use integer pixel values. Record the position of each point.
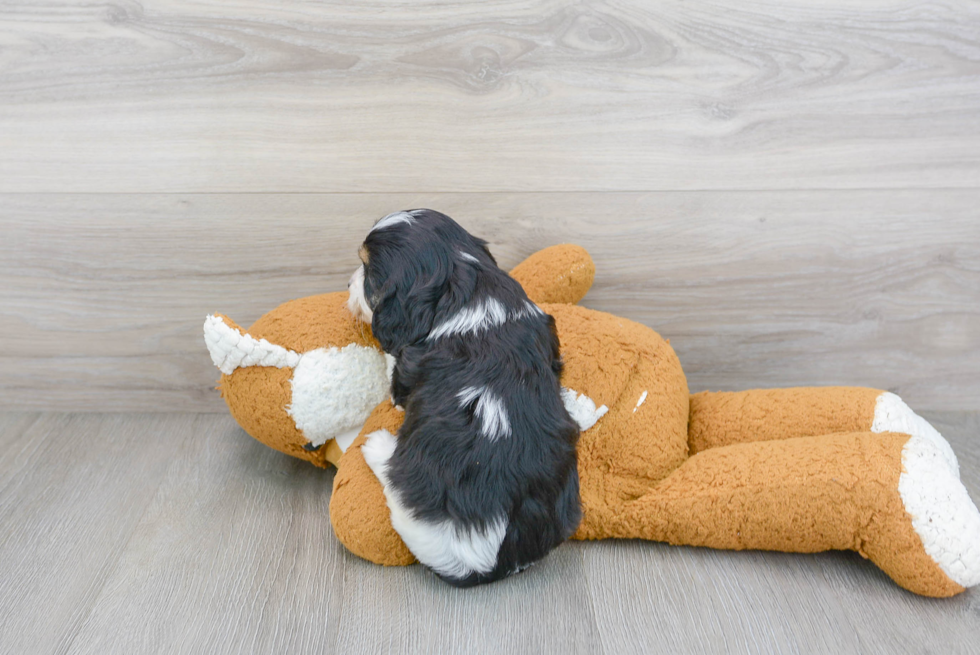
(482, 478)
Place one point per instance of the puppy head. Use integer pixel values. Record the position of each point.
(418, 267)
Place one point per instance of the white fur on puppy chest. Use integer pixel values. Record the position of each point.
(356, 302)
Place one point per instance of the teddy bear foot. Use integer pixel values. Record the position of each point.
(940, 509)
(893, 415)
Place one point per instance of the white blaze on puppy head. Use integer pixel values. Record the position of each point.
(391, 219)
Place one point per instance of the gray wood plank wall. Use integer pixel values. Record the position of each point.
(789, 191)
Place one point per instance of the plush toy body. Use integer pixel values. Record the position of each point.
(801, 470)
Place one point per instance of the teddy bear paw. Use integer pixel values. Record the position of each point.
(941, 511)
(893, 415)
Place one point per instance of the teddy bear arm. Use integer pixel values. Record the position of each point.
(558, 274)
(809, 494)
(358, 508)
(724, 418)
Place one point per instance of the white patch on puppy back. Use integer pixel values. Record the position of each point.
(893, 415)
(468, 395)
(480, 316)
(391, 219)
(468, 257)
(529, 309)
(334, 390)
(231, 349)
(643, 397)
(443, 546)
(582, 408)
(942, 514)
(489, 409)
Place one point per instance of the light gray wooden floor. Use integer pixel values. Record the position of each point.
(177, 533)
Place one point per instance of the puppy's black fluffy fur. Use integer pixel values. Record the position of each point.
(419, 275)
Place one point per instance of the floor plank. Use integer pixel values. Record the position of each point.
(180, 534)
(254, 95)
(72, 488)
(408, 610)
(234, 555)
(102, 297)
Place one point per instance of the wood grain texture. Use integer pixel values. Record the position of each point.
(234, 555)
(102, 297)
(177, 533)
(72, 489)
(254, 95)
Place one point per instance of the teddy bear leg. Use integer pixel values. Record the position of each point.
(358, 508)
(558, 274)
(894, 498)
(720, 419)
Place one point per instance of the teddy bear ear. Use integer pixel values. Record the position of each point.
(559, 274)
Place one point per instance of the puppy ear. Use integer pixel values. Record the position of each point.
(456, 293)
(483, 245)
(399, 321)
(407, 316)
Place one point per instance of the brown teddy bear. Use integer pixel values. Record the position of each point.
(800, 470)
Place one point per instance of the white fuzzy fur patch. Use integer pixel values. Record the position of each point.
(231, 349)
(442, 546)
(582, 408)
(944, 517)
(335, 389)
(942, 513)
(893, 415)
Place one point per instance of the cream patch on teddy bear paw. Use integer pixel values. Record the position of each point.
(893, 415)
(942, 514)
(941, 511)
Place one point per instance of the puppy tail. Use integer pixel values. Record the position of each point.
(231, 347)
